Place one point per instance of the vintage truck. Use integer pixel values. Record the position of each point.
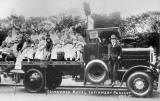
(136, 68)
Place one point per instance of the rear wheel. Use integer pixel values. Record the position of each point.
(140, 84)
(34, 81)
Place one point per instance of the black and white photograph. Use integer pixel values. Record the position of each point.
(79, 50)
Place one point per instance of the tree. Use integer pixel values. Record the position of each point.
(143, 29)
(68, 21)
(102, 21)
(144, 23)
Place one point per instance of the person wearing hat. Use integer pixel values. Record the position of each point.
(114, 53)
(49, 46)
(23, 53)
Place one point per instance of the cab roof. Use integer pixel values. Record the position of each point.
(107, 32)
(105, 29)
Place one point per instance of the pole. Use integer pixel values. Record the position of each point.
(87, 21)
(158, 28)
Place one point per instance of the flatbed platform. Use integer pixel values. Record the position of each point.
(43, 62)
(52, 63)
(7, 63)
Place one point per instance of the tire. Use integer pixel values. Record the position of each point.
(53, 81)
(34, 81)
(140, 84)
(96, 73)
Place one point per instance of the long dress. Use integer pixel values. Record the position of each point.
(40, 53)
(69, 51)
(26, 52)
(79, 51)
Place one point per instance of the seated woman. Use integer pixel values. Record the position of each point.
(7, 53)
(69, 50)
(40, 52)
(25, 52)
(79, 52)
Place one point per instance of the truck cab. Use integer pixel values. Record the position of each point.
(97, 43)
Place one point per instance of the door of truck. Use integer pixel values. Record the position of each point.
(95, 47)
(92, 46)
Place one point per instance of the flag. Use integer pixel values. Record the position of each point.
(90, 24)
(86, 8)
(90, 21)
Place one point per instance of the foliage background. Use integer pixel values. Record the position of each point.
(137, 31)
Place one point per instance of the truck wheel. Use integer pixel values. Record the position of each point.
(96, 73)
(54, 82)
(34, 81)
(140, 84)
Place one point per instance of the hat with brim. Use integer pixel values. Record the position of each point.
(113, 37)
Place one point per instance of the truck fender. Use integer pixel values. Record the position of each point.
(133, 69)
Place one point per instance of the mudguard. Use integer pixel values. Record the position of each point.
(133, 69)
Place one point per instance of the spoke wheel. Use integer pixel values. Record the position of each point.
(34, 81)
(140, 84)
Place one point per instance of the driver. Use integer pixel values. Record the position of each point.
(114, 52)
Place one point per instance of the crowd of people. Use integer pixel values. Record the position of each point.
(66, 44)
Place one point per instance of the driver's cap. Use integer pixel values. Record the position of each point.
(113, 36)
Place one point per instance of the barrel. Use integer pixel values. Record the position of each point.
(60, 56)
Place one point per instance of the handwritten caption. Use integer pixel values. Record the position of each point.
(91, 92)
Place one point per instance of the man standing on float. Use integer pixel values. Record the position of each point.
(114, 53)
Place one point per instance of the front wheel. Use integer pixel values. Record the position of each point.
(140, 84)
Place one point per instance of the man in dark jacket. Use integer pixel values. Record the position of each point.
(114, 53)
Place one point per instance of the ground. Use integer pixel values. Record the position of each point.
(18, 93)
(8, 94)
